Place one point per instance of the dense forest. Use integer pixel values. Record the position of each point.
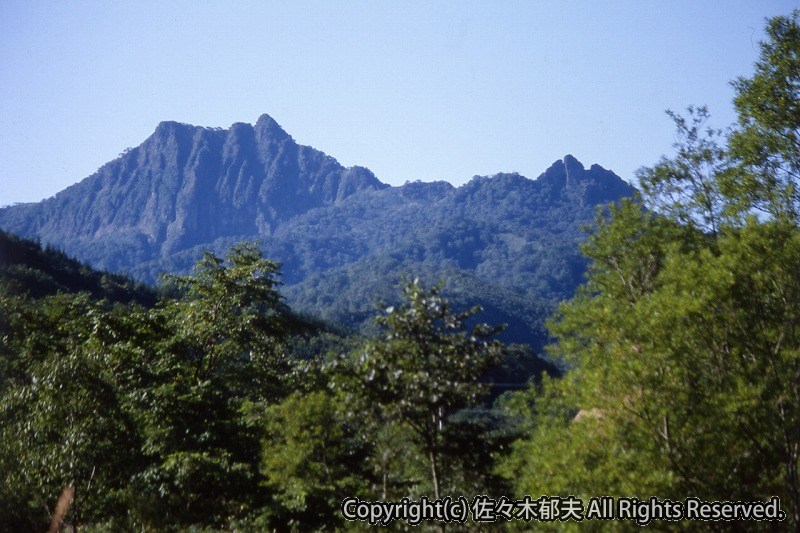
(207, 404)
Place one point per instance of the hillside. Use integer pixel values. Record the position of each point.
(344, 238)
(28, 269)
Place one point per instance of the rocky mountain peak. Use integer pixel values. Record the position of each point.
(569, 177)
(187, 188)
(170, 128)
(565, 171)
(573, 167)
(267, 128)
(187, 185)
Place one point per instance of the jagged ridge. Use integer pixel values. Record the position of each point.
(186, 185)
(505, 241)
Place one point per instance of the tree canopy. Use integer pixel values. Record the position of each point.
(207, 404)
(685, 341)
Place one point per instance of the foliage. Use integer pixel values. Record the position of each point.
(766, 141)
(27, 268)
(192, 414)
(684, 343)
(210, 405)
(232, 321)
(142, 409)
(424, 369)
(62, 418)
(687, 187)
(313, 457)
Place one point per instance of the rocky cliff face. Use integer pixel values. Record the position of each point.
(187, 185)
(569, 178)
(505, 242)
(345, 239)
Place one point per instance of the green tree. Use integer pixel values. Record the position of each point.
(217, 348)
(424, 368)
(766, 140)
(63, 420)
(142, 410)
(686, 188)
(314, 454)
(231, 321)
(685, 342)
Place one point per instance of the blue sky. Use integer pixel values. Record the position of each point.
(412, 90)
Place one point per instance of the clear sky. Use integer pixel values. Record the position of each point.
(412, 90)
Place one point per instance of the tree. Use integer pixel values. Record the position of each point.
(425, 368)
(685, 342)
(313, 455)
(231, 321)
(142, 410)
(63, 419)
(215, 348)
(766, 140)
(687, 187)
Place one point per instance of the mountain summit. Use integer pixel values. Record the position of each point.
(593, 186)
(504, 241)
(186, 185)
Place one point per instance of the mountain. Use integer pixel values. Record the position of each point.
(345, 239)
(187, 185)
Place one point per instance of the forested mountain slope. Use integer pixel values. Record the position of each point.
(344, 238)
(28, 269)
